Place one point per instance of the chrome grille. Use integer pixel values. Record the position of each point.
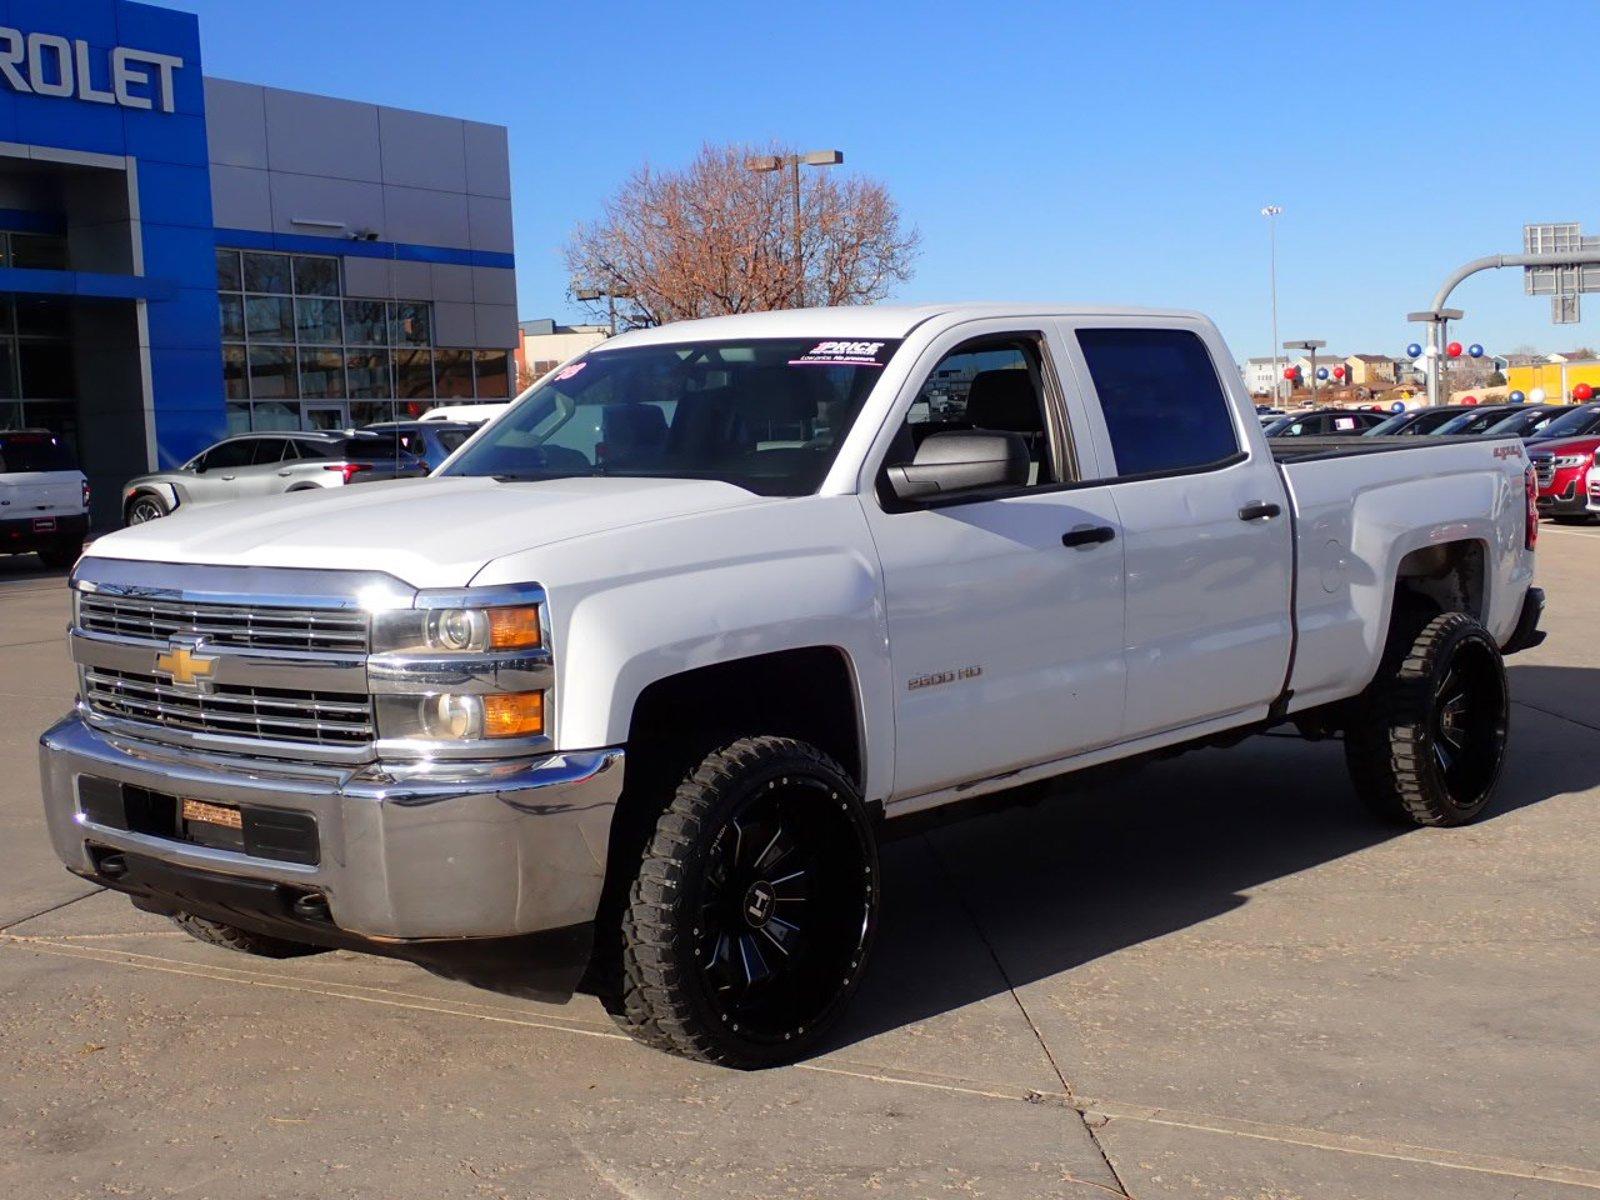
(333, 630)
(275, 714)
(1544, 469)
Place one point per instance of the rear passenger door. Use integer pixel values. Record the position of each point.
(1204, 521)
(1004, 606)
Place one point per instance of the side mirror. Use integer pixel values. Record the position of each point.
(198, 466)
(961, 462)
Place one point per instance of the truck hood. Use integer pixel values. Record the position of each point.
(427, 532)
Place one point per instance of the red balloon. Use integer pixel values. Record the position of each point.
(1291, 372)
(1583, 392)
(1453, 349)
(1469, 399)
(1338, 372)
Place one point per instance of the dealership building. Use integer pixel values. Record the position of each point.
(184, 257)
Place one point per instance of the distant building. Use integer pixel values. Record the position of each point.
(543, 345)
(1555, 379)
(1261, 375)
(1372, 370)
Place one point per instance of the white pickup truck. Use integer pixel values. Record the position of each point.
(626, 693)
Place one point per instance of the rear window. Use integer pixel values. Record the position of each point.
(1164, 405)
(374, 446)
(27, 452)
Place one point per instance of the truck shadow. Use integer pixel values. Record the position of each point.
(1008, 898)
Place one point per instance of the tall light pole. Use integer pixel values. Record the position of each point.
(610, 294)
(792, 162)
(1272, 212)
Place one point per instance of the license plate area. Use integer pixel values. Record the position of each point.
(258, 830)
(44, 524)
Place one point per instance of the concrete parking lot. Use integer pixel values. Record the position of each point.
(1215, 978)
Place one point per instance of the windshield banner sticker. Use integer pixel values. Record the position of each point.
(850, 354)
(570, 372)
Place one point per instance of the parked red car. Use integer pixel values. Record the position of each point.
(1562, 469)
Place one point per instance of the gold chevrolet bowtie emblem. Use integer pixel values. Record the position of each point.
(185, 666)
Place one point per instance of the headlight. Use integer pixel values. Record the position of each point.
(453, 717)
(458, 630)
(1562, 461)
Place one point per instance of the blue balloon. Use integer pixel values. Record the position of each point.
(1475, 350)
(1414, 350)
(1398, 406)
(1322, 372)
(1516, 398)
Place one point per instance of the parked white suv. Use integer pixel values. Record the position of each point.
(44, 497)
(632, 686)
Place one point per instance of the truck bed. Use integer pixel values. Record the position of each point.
(1315, 449)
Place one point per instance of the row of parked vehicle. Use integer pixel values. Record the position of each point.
(44, 496)
(1562, 441)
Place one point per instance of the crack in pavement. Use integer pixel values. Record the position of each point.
(45, 912)
(1038, 1034)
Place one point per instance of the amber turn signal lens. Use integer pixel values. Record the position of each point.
(513, 628)
(513, 714)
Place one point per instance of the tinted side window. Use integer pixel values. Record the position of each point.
(317, 448)
(231, 454)
(269, 451)
(1164, 406)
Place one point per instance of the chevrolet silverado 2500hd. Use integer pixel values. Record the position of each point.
(629, 688)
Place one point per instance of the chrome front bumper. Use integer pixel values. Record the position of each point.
(437, 851)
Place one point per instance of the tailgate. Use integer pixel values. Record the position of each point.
(40, 493)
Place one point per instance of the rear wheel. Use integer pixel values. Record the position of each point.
(145, 507)
(754, 908)
(1427, 740)
(231, 937)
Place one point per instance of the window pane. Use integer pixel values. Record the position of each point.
(413, 375)
(232, 318)
(231, 454)
(276, 416)
(369, 375)
(235, 376)
(230, 275)
(46, 371)
(238, 418)
(43, 316)
(494, 374)
(269, 319)
(59, 419)
(1163, 405)
(316, 276)
(266, 273)
(453, 371)
(10, 416)
(42, 252)
(321, 375)
(366, 323)
(318, 322)
(411, 324)
(8, 371)
(371, 411)
(272, 373)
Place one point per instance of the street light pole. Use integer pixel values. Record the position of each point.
(793, 162)
(1311, 348)
(610, 294)
(1271, 212)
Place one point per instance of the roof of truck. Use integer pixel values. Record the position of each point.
(866, 321)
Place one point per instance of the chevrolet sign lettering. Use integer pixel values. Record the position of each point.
(46, 64)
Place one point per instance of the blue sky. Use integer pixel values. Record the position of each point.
(1075, 152)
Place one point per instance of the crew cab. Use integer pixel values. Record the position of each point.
(44, 497)
(626, 694)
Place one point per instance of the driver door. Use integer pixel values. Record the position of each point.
(1005, 608)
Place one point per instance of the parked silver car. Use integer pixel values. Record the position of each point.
(266, 464)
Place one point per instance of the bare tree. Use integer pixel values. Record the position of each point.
(717, 238)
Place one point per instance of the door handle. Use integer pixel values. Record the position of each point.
(1085, 537)
(1259, 510)
(284, 474)
(227, 478)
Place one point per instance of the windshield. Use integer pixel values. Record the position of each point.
(1520, 424)
(27, 452)
(1571, 424)
(1385, 428)
(767, 416)
(1470, 422)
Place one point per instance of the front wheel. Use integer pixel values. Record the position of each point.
(754, 908)
(145, 507)
(1427, 740)
(244, 941)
